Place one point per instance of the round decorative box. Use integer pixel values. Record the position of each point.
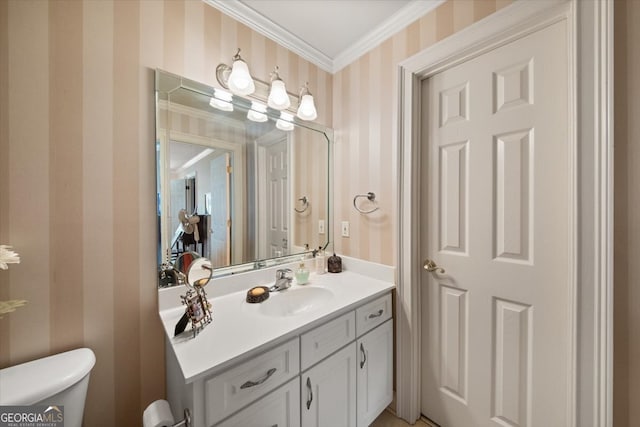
(334, 264)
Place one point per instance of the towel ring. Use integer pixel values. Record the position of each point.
(370, 197)
(305, 204)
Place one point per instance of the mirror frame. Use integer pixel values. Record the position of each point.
(165, 83)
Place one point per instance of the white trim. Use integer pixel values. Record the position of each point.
(396, 22)
(254, 20)
(591, 43)
(414, 10)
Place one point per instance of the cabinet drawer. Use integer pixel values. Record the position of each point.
(279, 408)
(320, 342)
(373, 314)
(236, 387)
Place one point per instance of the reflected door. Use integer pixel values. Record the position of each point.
(220, 210)
(496, 182)
(278, 199)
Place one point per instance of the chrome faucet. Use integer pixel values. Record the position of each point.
(284, 276)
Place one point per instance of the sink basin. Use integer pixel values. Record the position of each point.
(294, 301)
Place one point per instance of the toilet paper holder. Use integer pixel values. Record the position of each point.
(187, 419)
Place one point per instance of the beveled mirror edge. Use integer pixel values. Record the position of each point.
(166, 82)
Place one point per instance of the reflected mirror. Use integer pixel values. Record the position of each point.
(244, 194)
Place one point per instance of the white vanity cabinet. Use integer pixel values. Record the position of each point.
(337, 372)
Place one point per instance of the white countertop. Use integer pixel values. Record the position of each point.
(240, 330)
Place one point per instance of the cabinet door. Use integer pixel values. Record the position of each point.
(328, 391)
(280, 408)
(375, 373)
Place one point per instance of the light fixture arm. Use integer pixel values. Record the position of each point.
(275, 75)
(304, 90)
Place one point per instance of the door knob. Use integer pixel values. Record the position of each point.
(431, 267)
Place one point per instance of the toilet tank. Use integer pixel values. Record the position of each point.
(58, 380)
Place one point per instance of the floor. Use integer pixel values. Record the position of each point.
(387, 419)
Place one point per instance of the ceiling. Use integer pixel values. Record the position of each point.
(328, 33)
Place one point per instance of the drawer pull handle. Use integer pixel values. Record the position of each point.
(378, 314)
(364, 356)
(260, 381)
(309, 393)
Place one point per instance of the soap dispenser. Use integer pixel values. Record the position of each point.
(320, 261)
(302, 275)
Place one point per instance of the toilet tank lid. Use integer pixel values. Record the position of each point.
(31, 382)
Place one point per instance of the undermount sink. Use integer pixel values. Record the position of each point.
(294, 301)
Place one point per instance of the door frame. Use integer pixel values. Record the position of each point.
(590, 38)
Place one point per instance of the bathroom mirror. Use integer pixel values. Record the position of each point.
(243, 194)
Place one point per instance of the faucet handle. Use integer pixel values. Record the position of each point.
(284, 273)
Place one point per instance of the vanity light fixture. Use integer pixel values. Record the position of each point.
(257, 112)
(306, 109)
(240, 80)
(278, 96)
(285, 122)
(221, 100)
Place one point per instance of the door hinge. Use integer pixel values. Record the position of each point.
(229, 169)
(228, 223)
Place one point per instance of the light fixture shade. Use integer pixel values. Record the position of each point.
(221, 100)
(307, 109)
(240, 80)
(257, 112)
(278, 97)
(285, 122)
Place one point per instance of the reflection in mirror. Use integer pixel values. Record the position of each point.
(242, 193)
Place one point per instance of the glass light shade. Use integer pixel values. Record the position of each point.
(221, 100)
(278, 97)
(257, 112)
(240, 80)
(285, 122)
(307, 109)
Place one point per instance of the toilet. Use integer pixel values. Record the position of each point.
(58, 380)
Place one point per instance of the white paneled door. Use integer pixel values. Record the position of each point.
(278, 199)
(496, 326)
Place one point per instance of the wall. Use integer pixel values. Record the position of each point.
(366, 148)
(77, 175)
(364, 112)
(77, 172)
(626, 393)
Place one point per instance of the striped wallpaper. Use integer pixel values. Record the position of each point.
(626, 379)
(77, 179)
(77, 175)
(364, 114)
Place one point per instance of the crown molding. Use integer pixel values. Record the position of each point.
(396, 22)
(249, 17)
